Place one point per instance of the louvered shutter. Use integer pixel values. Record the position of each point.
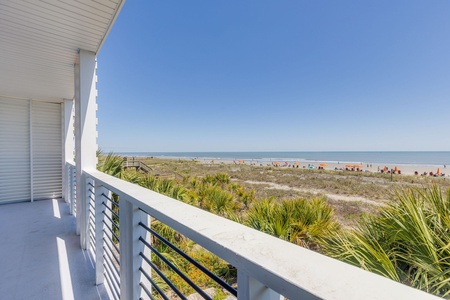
(15, 179)
(46, 150)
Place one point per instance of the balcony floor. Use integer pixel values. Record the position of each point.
(40, 254)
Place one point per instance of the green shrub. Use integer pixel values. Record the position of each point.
(408, 242)
(299, 221)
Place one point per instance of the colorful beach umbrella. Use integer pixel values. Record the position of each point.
(323, 165)
(296, 163)
(349, 165)
(358, 166)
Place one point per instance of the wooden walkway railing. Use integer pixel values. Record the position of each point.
(138, 165)
(141, 166)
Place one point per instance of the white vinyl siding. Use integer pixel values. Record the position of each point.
(46, 150)
(30, 150)
(14, 150)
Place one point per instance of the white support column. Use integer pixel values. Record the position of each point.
(68, 144)
(85, 133)
(251, 289)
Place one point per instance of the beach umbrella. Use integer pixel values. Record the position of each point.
(276, 163)
(349, 165)
(358, 166)
(296, 163)
(323, 165)
(240, 161)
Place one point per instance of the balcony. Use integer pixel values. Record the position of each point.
(97, 243)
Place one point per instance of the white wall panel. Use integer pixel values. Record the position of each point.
(14, 150)
(46, 150)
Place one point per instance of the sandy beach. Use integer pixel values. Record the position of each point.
(363, 167)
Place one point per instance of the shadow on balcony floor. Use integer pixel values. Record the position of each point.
(40, 254)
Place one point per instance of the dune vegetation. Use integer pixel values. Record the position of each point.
(409, 241)
(406, 239)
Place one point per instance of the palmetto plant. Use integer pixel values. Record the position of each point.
(150, 182)
(222, 178)
(164, 186)
(408, 242)
(110, 164)
(246, 197)
(213, 198)
(217, 179)
(218, 200)
(299, 221)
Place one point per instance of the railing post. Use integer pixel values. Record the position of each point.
(99, 243)
(66, 183)
(138, 247)
(72, 188)
(130, 247)
(126, 249)
(83, 210)
(251, 289)
(90, 193)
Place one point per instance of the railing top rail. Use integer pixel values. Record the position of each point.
(290, 270)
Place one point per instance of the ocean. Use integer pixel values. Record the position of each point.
(434, 158)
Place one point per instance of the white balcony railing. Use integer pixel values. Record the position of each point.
(267, 267)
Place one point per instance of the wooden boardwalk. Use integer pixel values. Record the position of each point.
(141, 166)
(137, 165)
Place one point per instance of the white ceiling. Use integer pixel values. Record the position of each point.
(39, 43)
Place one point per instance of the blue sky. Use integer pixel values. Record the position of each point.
(261, 75)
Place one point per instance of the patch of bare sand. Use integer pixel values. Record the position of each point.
(335, 197)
